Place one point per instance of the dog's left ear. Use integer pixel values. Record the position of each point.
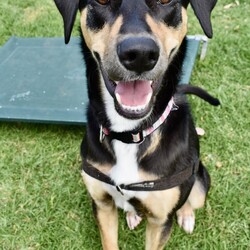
(68, 10)
(203, 9)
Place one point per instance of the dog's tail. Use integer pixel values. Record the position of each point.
(203, 94)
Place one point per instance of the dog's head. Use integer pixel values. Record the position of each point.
(133, 43)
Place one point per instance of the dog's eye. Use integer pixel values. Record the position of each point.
(103, 2)
(164, 1)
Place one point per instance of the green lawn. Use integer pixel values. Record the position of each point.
(43, 203)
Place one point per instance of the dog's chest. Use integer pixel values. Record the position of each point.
(125, 171)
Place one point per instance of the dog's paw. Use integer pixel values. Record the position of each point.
(133, 220)
(200, 131)
(186, 220)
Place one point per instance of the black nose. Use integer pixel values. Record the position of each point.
(138, 54)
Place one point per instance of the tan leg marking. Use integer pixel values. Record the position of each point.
(107, 218)
(153, 237)
(159, 204)
(197, 196)
(106, 213)
(186, 215)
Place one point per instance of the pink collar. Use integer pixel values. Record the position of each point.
(129, 137)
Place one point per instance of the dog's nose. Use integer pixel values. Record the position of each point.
(138, 54)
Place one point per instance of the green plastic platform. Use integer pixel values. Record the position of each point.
(43, 80)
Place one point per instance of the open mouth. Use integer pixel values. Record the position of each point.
(133, 97)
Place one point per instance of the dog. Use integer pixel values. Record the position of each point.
(141, 149)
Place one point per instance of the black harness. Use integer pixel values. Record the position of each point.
(154, 185)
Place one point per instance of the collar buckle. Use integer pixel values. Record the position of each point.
(138, 137)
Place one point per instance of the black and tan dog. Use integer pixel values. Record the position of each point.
(141, 151)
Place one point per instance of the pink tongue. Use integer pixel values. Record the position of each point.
(134, 93)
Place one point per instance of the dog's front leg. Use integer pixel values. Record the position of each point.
(157, 233)
(160, 205)
(107, 221)
(105, 212)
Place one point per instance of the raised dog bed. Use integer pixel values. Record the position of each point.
(43, 80)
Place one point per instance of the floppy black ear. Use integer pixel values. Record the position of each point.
(68, 10)
(203, 9)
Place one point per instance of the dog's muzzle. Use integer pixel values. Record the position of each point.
(131, 78)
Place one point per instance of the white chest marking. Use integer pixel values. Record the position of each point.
(125, 171)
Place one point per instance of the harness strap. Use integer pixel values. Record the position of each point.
(154, 185)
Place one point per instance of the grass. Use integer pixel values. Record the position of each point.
(43, 203)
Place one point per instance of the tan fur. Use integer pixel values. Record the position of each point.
(94, 187)
(157, 215)
(95, 40)
(106, 213)
(155, 142)
(169, 37)
(153, 237)
(197, 196)
(165, 200)
(103, 168)
(185, 210)
(107, 217)
(144, 176)
(98, 41)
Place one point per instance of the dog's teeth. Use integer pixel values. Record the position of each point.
(148, 97)
(118, 98)
(135, 109)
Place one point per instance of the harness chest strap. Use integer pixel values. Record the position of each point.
(154, 185)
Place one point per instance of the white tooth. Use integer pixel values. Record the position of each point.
(136, 109)
(118, 98)
(148, 97)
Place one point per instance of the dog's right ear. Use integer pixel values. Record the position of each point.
(68, 10)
